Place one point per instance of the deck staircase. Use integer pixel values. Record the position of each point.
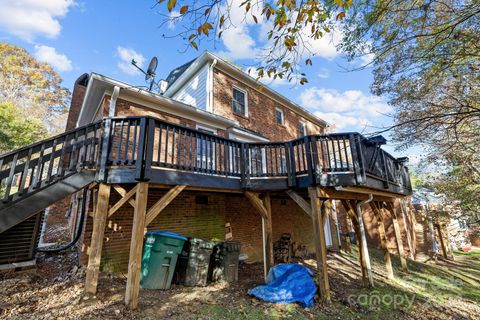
(34, 177)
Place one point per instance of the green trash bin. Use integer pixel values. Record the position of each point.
(192, 268)
(224, 261)
(160, 255)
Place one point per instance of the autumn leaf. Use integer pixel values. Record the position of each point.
(171, 4)
(194, 44)
(183, 9)
(341, 15)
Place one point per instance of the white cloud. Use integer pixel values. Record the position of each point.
(30, 18)
(323, 73)
(126, 55)
(344, 109)
(174, 18)
(238, 42)
(51, 56)
(324, 47)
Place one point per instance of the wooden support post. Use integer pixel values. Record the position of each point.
(264, 208)
(320, 246)
(398, 237)
(383, 239)
(363, 243)
(268, 233)
(403, 209)
(442, 241)
(349, 206)
(346, 243)
(95, 254)
(136, 246)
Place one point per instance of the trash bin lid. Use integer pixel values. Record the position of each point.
(168, 234)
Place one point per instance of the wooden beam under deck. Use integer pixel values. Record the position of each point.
(136, 246)
(383, 239)
(162, 203)
(96, 244)
(265, 209)
(126, 197)
(318, 211)
(398, 236)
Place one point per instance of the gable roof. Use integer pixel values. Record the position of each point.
(177, 72)
(185, 72)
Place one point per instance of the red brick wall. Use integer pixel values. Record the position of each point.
(126, 108)
(186, 217)
(261, 110)
(183, 216)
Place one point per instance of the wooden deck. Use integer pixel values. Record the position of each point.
(147, 149)
(147, 152)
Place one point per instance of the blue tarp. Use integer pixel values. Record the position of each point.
(287, 283)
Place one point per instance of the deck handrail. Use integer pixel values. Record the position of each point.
(172, 146)
(145, 143)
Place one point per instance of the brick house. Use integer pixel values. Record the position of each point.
(209, 94)
(213, 155)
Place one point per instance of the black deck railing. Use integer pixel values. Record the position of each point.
(334, 159)
(39, 165)
(143, 145)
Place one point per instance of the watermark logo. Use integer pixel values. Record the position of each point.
(426, 291)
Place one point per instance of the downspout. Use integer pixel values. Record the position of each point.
(113, 101)
(210, 86)
(364, 238)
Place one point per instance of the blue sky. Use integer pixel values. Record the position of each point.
(102, 36)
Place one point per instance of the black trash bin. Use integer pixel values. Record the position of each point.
(193, 263)
(224, 261)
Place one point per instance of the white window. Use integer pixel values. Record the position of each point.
(239, 101)
(279, 117)
(206, 151)
(302, 129)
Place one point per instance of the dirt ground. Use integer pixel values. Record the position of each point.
(54, 290)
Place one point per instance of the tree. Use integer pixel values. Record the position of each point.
(16, 129)
(33, 87)
(291, 28)
(426, 61)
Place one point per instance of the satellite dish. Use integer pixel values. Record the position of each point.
(150, 74)
(152, 66)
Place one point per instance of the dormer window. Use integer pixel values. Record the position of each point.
(279, 117)
(239, 102)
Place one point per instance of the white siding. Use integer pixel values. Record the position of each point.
(194, 91)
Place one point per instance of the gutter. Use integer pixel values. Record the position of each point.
(157, 102)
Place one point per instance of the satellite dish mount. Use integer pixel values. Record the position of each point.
(150, 73)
